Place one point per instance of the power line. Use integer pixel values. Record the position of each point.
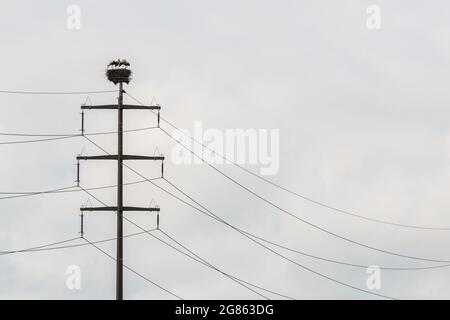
(297, 194)
(200, 261)
(44, 247)
(232, 278)
(51, 246)
(27, 194)
(56, 138)
(215, 217)
(279, 254)
(319, 203)
(209, 265)
(134, 271)
(342, 262)
(125, 131)
(293, 215)
(23, 134)
(56, 92)
(253, 240)
(262, 198)
(331, 233)
(37, 140)
(64, 190)
(38, 248)
(204, 262)
(178, 198)
(136, 225)
(61, 137)
(196, 257)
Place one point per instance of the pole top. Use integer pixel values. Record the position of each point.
(118, 71)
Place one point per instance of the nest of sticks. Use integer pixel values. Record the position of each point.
(117, 75)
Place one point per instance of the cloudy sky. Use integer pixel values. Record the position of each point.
(362, 115)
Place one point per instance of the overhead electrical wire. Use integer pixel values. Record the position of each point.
(61, 190)
(298, 251)
(53, 246)
(27, 194)
(154, 184)
(306, 198)
(215, 217)
(76, 189)
(269, 202)
(199, 259)
(285, 257)
(208, 265)
(37, 140)
(342, 262)
(93, 243)
(13, 195)
(302, 220)
(22, 134)
(39, 248)
(297, 194)
(319, 203)
(134, 271)
(54, 137)
(252, 239)
(56, 92)
(257, 242)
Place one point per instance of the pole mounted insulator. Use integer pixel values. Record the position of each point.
(78, 173)
(157, 221)
(82, 224)
(82, 123)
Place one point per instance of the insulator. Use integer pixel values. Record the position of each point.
(82, 123)
(78, 173)
(82, 224)
(157, 221)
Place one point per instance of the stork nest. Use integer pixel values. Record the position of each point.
(118, 75)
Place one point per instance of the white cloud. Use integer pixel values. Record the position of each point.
(363, 126)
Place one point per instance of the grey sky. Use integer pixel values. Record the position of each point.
(363, 126)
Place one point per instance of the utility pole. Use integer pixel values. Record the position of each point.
(118, 72)
(119, 263)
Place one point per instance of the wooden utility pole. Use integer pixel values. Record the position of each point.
(119, 72)
(119, 261)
